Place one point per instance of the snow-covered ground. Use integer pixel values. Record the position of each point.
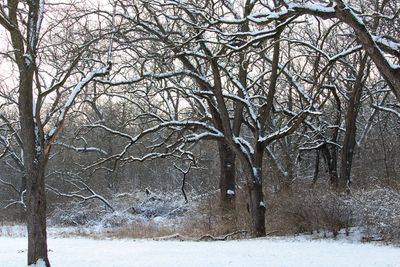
(275, 252)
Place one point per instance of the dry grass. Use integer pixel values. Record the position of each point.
(139, 230)
(207, 218)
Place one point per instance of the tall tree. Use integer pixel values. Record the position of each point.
(22, 20)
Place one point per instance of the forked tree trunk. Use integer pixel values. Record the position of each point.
(349, 141)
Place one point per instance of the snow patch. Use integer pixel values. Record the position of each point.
(39, 263)
(230, 192)
(311, 7)
(28, 59)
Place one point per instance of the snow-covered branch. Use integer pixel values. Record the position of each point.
(98, 72)
(81, 149)
(82, 187)
(386, 109)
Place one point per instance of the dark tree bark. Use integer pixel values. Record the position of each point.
(329, 150)
(227, 183)
(316, 168)
(257, 208)
(333, 163)
(35, 163)
(329, 154)
(36, 215)
(256, 195)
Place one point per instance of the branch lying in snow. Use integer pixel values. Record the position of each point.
(209, 237)
(206, 237)
(176, 236)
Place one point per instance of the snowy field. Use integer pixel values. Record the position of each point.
(274, 252)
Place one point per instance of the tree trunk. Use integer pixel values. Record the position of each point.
(257, 206)
(36, 215)
(331, 164)
(35, 163)
(227, 174)
(227, 185)
(316, 168)
(349, 141)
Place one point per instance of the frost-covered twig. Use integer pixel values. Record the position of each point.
(386, 109)
(82, 149)
(93, 195)
(21, 201)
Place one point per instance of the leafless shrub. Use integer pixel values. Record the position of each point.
(210, 218)
(308, 211)
(378, 212)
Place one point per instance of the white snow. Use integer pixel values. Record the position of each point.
(230, 192)
(311, 7)
(39, 263)
(28, 59)
(245, 146)
(277, 252)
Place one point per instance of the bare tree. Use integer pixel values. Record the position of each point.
(228, 94)
(27, 27)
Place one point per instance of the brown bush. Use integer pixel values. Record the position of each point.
(308, 211)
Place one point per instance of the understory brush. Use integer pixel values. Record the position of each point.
(374, 212)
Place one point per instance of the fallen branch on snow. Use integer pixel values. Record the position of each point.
(206, 237)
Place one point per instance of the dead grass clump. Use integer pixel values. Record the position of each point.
(139, 230)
